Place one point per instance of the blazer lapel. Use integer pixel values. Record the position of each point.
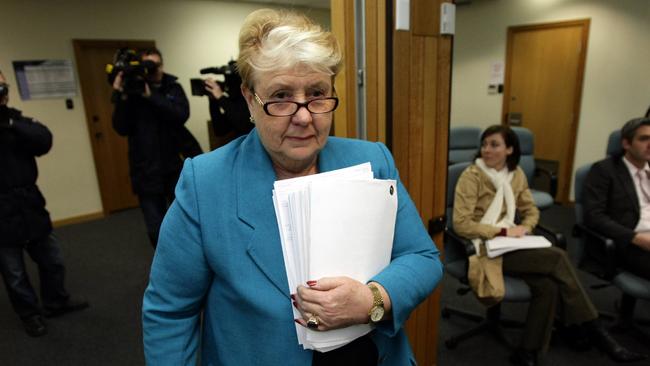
(255, 177)
(624, 177)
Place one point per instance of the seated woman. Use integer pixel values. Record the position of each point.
(218, 279)
(488, 194)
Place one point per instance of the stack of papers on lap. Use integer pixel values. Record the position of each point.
(338, 223)
(504, 244)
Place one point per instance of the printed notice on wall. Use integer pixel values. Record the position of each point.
(44, 79)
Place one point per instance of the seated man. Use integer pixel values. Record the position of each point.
(617, 198)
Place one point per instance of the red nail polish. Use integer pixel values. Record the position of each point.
(296, 320)
(311, 283)
(295, 304)
(293, 297)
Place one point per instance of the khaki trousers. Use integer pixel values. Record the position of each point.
(555, 289)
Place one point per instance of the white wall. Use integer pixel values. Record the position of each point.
(192, 34)
(616, 84)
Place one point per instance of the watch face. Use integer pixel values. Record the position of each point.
(377, 313)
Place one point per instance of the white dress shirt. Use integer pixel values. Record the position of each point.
(642, 186)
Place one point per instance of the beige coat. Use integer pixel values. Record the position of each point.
(475, 192)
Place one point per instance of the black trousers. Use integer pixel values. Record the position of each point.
(555, 289)
(360, 352)
(637, 261)
(154, 207)
(47, 255)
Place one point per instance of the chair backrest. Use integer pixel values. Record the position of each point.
(463, 143)
(527, 160)
(614, 146)
(578, 187)
(453, 251)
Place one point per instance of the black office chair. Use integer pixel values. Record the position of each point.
(463, 144)
(457, 251)
(597, 255)
(543, 200)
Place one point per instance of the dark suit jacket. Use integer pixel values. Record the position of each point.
(611, 202)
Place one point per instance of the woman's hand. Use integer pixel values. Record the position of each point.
(337, 302)
(517, 231)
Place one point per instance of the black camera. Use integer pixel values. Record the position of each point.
(134, 70)
(231, 84)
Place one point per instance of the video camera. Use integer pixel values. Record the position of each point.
(134, 70)
(231, 84)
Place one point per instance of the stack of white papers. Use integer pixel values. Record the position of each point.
(338, 223)
(504, 244)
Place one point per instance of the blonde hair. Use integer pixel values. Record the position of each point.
(279, 39)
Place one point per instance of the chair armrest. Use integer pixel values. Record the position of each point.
(554, 236)
(599, 248)
(552, 179)
(466, 243)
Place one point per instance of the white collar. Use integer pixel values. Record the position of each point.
(633, 169)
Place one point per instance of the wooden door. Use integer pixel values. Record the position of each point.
(109, 148)
(408, 88)
(543, 88)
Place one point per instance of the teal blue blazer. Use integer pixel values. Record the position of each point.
(219, 254)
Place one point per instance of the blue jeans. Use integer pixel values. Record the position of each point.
(47, 255)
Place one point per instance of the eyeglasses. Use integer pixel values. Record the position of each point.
(285, 109)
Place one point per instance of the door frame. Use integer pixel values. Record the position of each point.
(565, 187)
(78, 45)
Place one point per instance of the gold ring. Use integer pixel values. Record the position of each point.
(313, 322)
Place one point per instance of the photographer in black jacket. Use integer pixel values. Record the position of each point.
(25, 223)
(154, 124)
(228, 110)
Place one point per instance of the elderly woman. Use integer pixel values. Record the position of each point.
(219, 251)
(489, 193)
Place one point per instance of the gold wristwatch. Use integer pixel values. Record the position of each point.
(377, 310)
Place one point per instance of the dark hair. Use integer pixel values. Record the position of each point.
(647, 114)
(629, 128)
(511, 140)
(151, 51)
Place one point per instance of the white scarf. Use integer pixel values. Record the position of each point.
(501, 181)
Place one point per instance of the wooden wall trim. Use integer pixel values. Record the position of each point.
(78, 219)
(342, 22)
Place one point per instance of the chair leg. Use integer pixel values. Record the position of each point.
(491, 323)
(626, 322)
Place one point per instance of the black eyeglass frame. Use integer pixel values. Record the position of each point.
(265, 106)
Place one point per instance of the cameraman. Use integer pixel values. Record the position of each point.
(154, 124)
(25, 223)
(228, 112)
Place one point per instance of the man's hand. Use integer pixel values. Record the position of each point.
(517, 231)
(118, 83)
(213, 88)
(147, 91)
(642, 240)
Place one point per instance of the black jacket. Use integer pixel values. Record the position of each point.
(154, 127)
(611, 202)
(23, 216)
(230, 114)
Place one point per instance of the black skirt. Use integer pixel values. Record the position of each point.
(360, 352)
